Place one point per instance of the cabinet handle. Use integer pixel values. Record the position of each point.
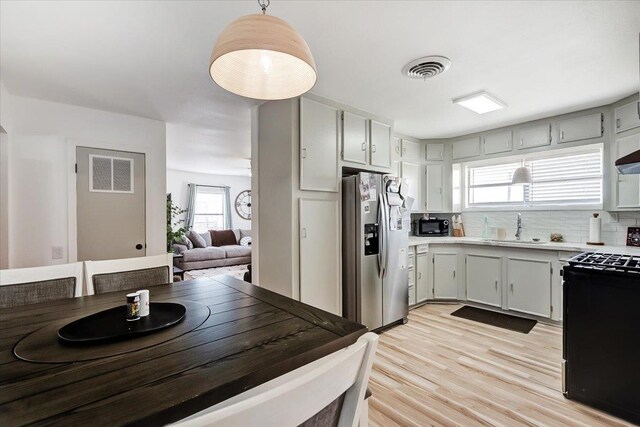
(496, 285)
(441, 155)
(550, 137)
(304, 232)
(419, 276)
(404, 151)
(618, 123)
(304, 153)
(561, 134)
(512, 287)
(454, 274)
(521, 142)
(373, 148)
(638, 108)
(364, 146)
(397, 149)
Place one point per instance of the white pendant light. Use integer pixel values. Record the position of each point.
(521, 175)
(262, 57)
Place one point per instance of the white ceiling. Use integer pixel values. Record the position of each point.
(151, 59)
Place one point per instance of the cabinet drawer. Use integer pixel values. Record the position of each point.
(627, 116)
(500, 142)
(579, 128)
(534, 136)
(422, 249)
(435, 151)
(466, 148)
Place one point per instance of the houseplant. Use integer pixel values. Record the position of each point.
(173, 221)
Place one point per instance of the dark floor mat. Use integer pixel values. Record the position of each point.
(501, 320)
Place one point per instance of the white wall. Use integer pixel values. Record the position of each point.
(42, 143)
(574, 225)
(7, 126)
(177, 182)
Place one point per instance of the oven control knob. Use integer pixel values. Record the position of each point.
(445, 222)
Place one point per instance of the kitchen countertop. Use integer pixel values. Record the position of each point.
(550, 246)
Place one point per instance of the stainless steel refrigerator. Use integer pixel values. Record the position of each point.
(375, 238)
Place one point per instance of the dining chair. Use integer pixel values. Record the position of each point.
(23, 286)
(129, 273)
(303, 396)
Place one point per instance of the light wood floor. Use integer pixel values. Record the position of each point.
(440, 370)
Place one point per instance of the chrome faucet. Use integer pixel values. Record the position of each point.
(519, 227)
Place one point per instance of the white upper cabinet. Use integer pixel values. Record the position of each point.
(435, 151)
(627, 116)
(499, 142)
(464, 148)
(395, 168)
(411, 172)
(318, 146)
(410, 150)
(628, 186)
(579, 128)
(534, 136)
(434, 194)
(396, 146)
(354, 138)
(380, 134)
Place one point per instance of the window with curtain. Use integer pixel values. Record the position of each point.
(209, 210)
(571, 178)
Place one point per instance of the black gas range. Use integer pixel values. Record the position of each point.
(601, 332)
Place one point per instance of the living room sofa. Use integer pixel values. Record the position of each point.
(213, 256)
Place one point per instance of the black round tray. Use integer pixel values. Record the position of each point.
(112, 324)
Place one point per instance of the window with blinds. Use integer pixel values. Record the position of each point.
(573, 178)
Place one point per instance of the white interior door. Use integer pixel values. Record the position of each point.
(110, 188)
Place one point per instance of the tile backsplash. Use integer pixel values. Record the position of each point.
(573, 225)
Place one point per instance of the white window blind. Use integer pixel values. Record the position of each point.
(573, 178)
(209, 211)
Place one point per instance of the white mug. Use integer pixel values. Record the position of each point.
(144, 302)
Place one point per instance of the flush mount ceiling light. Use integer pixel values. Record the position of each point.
(480, 102)
(521, 175)
(262, 57)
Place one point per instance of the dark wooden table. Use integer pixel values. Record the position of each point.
(252, 336)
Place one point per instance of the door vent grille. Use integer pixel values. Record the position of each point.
(426, 67)
(110, 174)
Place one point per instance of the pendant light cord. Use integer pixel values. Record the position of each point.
(264, 5)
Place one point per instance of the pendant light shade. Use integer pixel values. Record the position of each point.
(521, 175)
(262, 57)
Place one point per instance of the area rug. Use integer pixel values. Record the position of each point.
(236, 271)
(501, 320)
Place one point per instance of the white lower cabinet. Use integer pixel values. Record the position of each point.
(484, 284)
(320, 284)
(445, 280)
(529, 286)
(422, 277)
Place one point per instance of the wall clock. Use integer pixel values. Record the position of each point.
(243, 204)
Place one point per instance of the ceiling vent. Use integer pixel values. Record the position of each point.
(426, 67)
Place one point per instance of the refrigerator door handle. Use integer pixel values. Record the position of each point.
(382, 227)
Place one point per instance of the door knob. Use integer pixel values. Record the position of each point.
(138, 246)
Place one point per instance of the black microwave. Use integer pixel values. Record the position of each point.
(431, 227)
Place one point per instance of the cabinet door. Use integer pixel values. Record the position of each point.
(466, 148)
(380, 144)
(410, 150)
(318, 146)
(320, 284)
(445, 280)
(435, 187)
(579, 128)
(500, 142)
(422, 277)
(411, 172)
(396, 146)
(395, 168)
(412, 295)
(628, 186)
(435, 151)
(534, 136)
(529, 286)
(483, 279)
(627, 116)
(354, 138)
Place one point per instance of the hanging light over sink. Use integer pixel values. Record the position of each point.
(262, 57)
(521, 175)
